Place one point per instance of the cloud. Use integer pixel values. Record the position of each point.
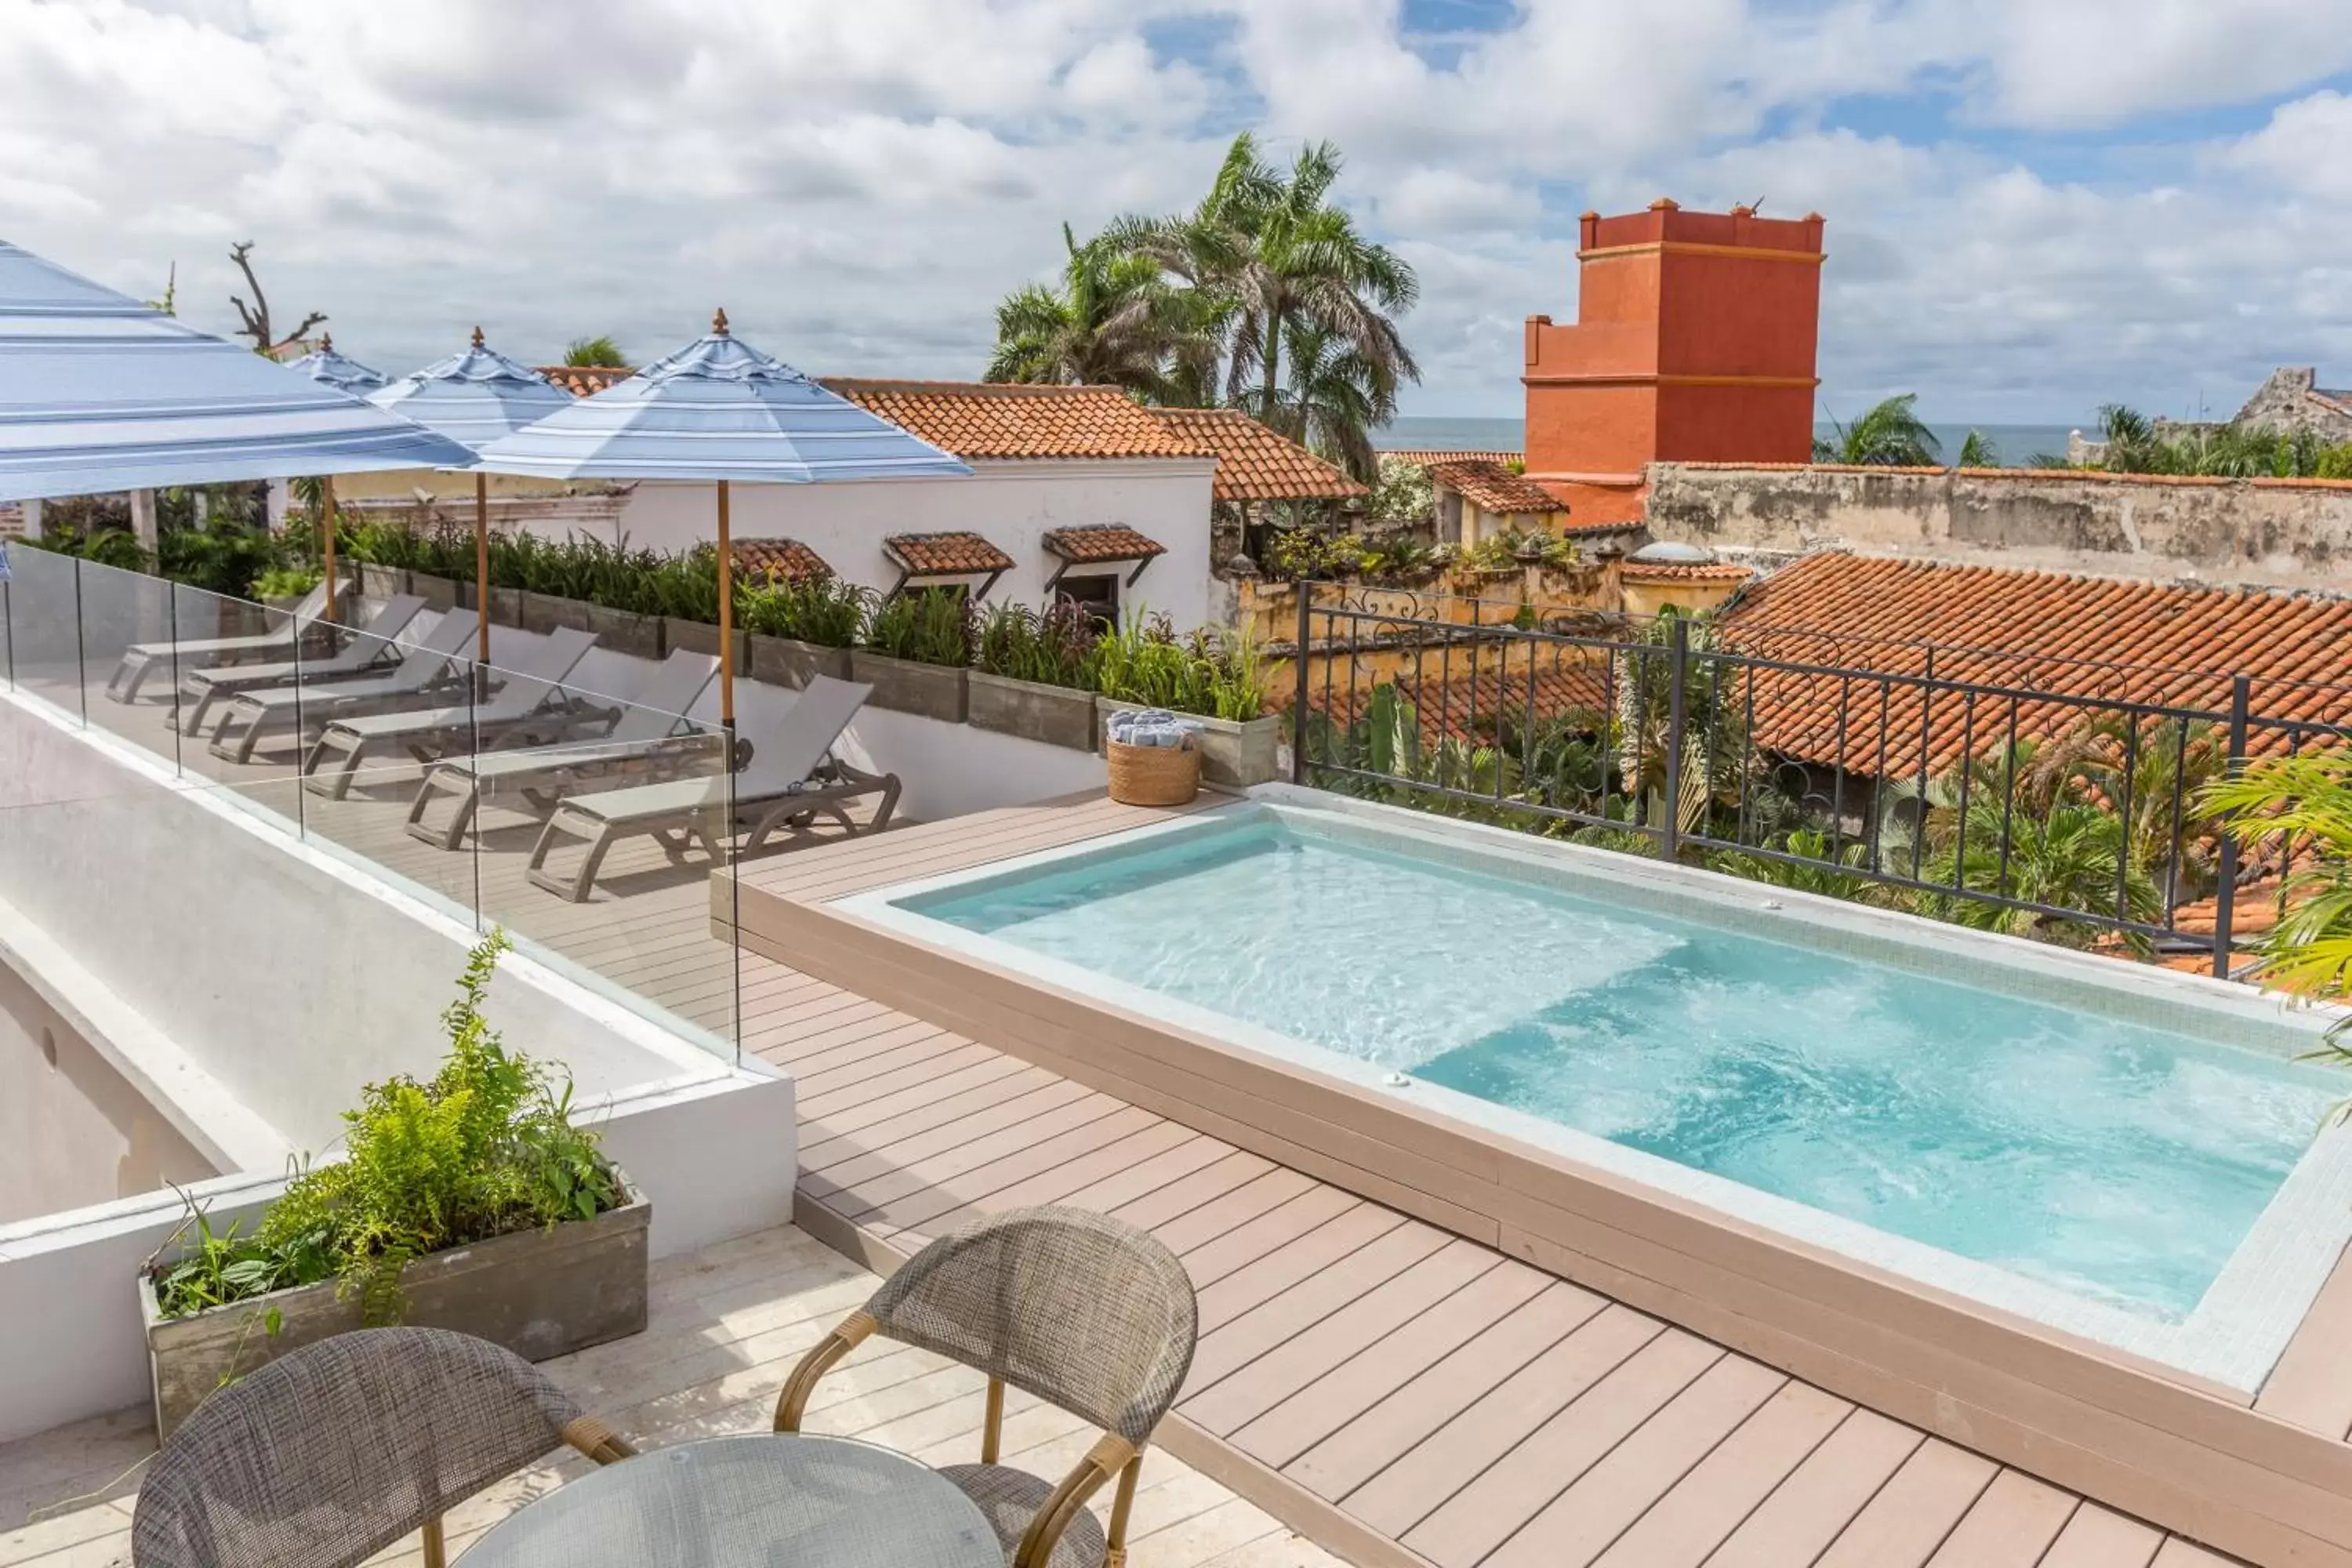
(2016, 225)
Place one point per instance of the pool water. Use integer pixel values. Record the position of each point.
(2118, 1162)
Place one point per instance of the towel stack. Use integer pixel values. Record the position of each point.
(1154, 727)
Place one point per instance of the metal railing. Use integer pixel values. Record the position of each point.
(1844, 778)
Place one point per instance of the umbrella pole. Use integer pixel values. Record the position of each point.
(326, 524)
(482, 580)
(726, 625)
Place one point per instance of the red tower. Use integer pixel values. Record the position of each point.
(1694, 340)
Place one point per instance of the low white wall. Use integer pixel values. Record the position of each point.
(1012, 505)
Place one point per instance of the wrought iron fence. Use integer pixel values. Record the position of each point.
(2031, 807)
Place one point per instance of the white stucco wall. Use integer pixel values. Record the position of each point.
(1012, 505)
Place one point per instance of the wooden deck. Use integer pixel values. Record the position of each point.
(726, 1325)
(1398, 1393)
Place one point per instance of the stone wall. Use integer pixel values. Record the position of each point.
(2285, 533)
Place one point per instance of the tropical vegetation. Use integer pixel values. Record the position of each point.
(2301, 807)
(1890, 435)
(2135, 444)
(1265, 297)
(485, 1147)
(601, 351)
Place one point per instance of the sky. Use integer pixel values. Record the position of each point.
(2035, 206)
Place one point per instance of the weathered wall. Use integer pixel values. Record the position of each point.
(2293, 533)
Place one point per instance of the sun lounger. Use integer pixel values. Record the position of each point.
(529, 704)
(791, 779)
(140, 659)
(435, 662)
(644, 739)
(371, 652)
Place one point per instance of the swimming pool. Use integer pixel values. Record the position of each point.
(2049, 1142)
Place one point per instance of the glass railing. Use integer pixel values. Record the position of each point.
(539, 793)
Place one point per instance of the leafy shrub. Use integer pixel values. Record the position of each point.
(1214, 673)
(486, 1148)
(933, 626)
(825, 611)
(1053, 648)
(286, 581)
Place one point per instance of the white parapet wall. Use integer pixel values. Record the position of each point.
(248, 986)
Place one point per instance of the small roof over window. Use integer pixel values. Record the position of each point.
(781, 559)
(924, 555)
(1100, 544)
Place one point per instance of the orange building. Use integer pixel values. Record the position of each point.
(1694, 340)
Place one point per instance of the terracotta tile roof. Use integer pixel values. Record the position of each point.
(1255, 463)
(944, 554)
(1490, 487)
(786, 558)
(1680, 572)
(2035, 631)
(1423, 457)
(1102, 542)
(977, 419)
(585, 380)
(1466, 707)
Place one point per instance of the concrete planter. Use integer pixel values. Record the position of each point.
(788, 661)
(933, 690)
(541, 1293)
(438, 593)
(506, 603)
(1058, 715)
(382, 581)
(625, 631)
(544, 613)
(701, 636)
(1235, 755)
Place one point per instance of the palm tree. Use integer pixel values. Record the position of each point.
(597, 353)
(1331, 399)
(2303, 801)
(1268, 255)
(1113, 321)
(1978, 451)
(1889, 436)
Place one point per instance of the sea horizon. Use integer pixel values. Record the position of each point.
(2016, 445)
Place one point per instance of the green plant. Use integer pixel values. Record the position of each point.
(486, 1148)
(1978, 451)
(2303, 806)
(598, 353)
(286, 581)
(1053, 648)
(1215, 673)
(1401, 495)
(930, 626)
(1890, 435)
(823, 610)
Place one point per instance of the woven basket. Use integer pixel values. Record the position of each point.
(1152, 776)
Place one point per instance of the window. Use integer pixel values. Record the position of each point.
(1097, 594)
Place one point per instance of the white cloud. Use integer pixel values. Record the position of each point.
(859, 184)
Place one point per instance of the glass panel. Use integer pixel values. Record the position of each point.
(45, 631)
(126, 619)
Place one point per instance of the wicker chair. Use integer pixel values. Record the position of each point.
(1084, 1312)
(334, 1451)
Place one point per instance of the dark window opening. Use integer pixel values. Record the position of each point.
(1097, 596)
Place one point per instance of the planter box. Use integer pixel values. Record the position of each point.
(625, 631)
(438, 593)
(382, 581)
(701, 636)
(788, 661)
(541, 1293)
(1058, 715)
(933, 690)
(506, 603)
(1234, 754)
(544, 613)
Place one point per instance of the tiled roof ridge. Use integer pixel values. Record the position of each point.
(1494, 487)
(914, 387)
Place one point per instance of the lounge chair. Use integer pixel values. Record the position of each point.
(435, 662)
(530, 703)
(792, 779)
(140, 659)
(644, 736)
(373, 651)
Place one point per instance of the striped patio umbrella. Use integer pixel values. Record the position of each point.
(323, 363)
(719, 410)
(475, 396)
(100, 392)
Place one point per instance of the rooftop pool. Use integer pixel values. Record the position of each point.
(2167, 1179)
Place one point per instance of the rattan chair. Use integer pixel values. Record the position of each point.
(1083, 1310)
(333, 1452)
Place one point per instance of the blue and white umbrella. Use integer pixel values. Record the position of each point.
(100, 392)
(323, 363)
(719, 410)
(475, 396)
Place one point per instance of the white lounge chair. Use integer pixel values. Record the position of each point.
(374, 649)
(529, 704)
(644, 739)
(140, 659)
(792, 778)
(435, 662)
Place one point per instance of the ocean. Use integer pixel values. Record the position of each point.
(2016, 443)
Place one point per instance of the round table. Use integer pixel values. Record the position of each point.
(773, 1501)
